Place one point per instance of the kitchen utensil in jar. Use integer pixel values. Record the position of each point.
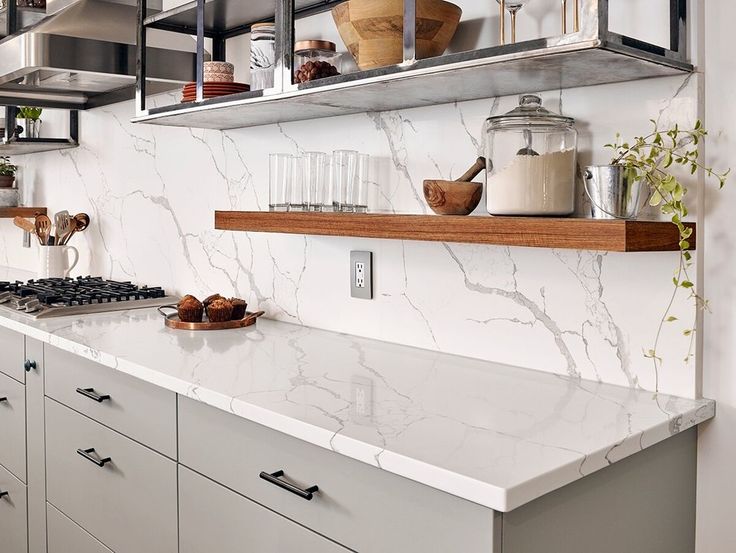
(521, 182)
(24, 224)
(80, 222)
(279, 181)
(43, 229)
(63, 223)
(614, 193)
(513, 7)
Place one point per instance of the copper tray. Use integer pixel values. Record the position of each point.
(171, 320)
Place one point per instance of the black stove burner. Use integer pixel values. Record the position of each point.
(80, 291)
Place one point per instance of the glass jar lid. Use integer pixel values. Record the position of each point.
(304, 46)
(529, 112)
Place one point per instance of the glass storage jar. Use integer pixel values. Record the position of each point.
(315, 59)
(534, 161)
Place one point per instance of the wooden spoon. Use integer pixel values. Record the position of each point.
(24, 224)
(43, 229)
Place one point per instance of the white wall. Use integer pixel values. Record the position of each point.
(717, 439)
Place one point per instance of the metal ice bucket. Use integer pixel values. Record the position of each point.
(613, 193)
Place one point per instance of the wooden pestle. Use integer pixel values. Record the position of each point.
(471, 173)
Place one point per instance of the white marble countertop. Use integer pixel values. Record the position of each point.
(497, 435)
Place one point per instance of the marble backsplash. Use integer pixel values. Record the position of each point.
(151, 192)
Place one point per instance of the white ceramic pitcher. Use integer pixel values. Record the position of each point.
(56, 261)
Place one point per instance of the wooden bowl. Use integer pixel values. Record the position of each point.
(373, 30)
(449, 197)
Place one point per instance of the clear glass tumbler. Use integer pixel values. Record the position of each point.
(344, 167)
(314, 169)
(279, 181)
(361, 184)
(298, 195)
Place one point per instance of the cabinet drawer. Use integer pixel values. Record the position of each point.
(65, 536)
(213, 518)
(135, 408)
(13, 426)
(13, 354)
(359, 506)
(13, 521)
(129, 504)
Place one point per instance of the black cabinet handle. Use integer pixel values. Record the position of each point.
(274, 478)
(28, 365)
(3, 494)
(3, 399)
(86, 453)
(91, 394)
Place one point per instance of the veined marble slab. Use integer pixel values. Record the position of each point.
(497, 435)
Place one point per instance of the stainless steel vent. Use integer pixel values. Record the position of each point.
(83, 55)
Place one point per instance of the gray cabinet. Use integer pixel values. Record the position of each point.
(359, 506)
(135, 408)
(13, 426)
(121, 492)
(67, 537)
(13, 522)
(13, 355)
(213, 518)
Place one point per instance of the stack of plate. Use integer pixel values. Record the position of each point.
(212, 90)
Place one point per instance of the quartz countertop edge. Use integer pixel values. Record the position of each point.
(500, 457)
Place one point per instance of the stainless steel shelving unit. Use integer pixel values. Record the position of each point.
(592, 55)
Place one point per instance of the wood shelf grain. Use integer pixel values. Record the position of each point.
(11, 212)
(536, 232)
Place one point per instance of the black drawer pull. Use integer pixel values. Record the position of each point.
(28, 365)
(274, 478)
(3, 494)
(3, 399)
(86, 453)
(91, 394)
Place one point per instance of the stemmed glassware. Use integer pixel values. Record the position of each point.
(513, 7)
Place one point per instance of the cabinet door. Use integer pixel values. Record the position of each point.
(213, 518)
(12, 358)
(67, 537)
(13, 426)
(13, 522)
(124, 494)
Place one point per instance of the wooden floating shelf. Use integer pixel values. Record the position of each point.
(20, 146)
(535, 232)
(11, 212)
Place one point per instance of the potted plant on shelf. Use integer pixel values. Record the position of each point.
(7, 172)
(32, 116)
(645, 168)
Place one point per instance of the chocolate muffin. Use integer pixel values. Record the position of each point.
(209, 299)
(190, 309)
(239, 308)
(219, 310)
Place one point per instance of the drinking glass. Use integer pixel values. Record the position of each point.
(314, 165)
(279, 181)
(297, 197)
(344, 164)
(361, 184)
(513, 7)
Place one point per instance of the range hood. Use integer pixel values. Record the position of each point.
(83, 55)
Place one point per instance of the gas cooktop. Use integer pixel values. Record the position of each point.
(56, 297)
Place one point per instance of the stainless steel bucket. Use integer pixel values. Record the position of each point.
(612, 193)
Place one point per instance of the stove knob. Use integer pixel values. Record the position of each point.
(29, 365)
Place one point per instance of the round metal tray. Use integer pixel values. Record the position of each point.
(171, 320)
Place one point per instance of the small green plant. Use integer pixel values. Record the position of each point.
(652, 158)
(28, 112)
(7, 169)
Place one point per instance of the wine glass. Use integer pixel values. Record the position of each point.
(513, 7)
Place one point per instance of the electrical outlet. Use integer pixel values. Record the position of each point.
(361, 275)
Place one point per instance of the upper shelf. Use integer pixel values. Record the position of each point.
(12, 212)
(496, 71)
(538, 232)
(20, 146)
(224, 17)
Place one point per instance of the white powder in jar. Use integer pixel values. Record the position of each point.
(534, 185)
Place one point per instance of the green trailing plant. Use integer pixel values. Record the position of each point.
(7, 169)
(29, 112)
(653, 158)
